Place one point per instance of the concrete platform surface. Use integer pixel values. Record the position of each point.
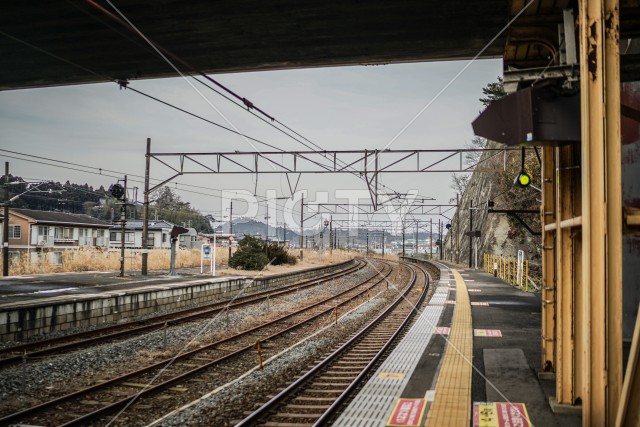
(506, 352)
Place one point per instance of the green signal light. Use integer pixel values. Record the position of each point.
(523, 179)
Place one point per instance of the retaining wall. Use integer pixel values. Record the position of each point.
(41, 318)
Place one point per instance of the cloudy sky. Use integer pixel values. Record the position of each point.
(100, 126)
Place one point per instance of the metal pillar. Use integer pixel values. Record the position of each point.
(5, 223)
(331, 236)
(568, 302)
(442, 242)
(470, 230)
(367, 252)
(145, 220)
(458, 228)
(230, 227)
(302, 227)
(601, 210)
(548, 261)
(123, 223)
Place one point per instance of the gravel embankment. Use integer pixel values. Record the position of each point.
(22, 386)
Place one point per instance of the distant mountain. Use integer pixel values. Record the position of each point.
(249, 226)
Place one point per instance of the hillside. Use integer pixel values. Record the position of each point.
(501, 234)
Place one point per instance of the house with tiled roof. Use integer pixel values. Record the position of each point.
(32, 230)
(159, 235)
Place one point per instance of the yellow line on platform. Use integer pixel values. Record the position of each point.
(452, 404)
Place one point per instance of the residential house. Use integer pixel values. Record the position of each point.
(159, 235)
(32, 231)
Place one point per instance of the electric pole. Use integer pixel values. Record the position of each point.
(301, 227)
(430, 238)
(230, 227)
(5, 223)
(145, 221)
(470, 232)
(123, 222)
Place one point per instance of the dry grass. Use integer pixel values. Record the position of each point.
(90, 259)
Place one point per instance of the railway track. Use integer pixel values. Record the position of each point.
(317, 396)
(38, 349)
(84, 406)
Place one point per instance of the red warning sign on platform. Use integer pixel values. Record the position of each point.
(500, 414)
(408, 412)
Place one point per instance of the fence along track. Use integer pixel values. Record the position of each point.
(60, 409)
(53, 346)
(317, 396)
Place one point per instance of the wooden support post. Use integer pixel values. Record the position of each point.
(601, 210)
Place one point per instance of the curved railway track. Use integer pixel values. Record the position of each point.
(117, 393)
(25, 352)
(317, 396)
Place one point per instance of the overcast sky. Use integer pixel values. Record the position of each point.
(101, 126)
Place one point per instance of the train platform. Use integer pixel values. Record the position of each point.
(38, 305)
(38, 288)
(471, 359)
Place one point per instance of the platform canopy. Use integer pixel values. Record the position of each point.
(46, 43)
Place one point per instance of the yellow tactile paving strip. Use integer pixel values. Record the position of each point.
(452, 404)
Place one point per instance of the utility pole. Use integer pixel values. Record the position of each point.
(302, 227)
(430, 238)
(457, 228)
(266, 234)
(383, 243)
(145, 220)
(367, 252)
(331, 235)
(441, 239)
(230, 227)
(123, 222)
(470, 231)
(402, 238)
(417, 232)
(5, 223)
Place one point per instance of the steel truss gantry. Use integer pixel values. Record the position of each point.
(366, 164)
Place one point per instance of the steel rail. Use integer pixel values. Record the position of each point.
(258, 415)
(335, 406)
(48, 347)
(28, 412)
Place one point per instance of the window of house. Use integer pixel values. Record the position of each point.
(114, 236)
(164, 237)
(65, 233)
(55, 258)
(129, 236)
(99, 233)
(15, 231)
(43, 230)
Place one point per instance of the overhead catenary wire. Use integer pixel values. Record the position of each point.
(127, 85)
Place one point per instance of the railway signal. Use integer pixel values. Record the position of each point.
(523, 179)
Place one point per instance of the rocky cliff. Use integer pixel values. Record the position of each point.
(500, 233)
